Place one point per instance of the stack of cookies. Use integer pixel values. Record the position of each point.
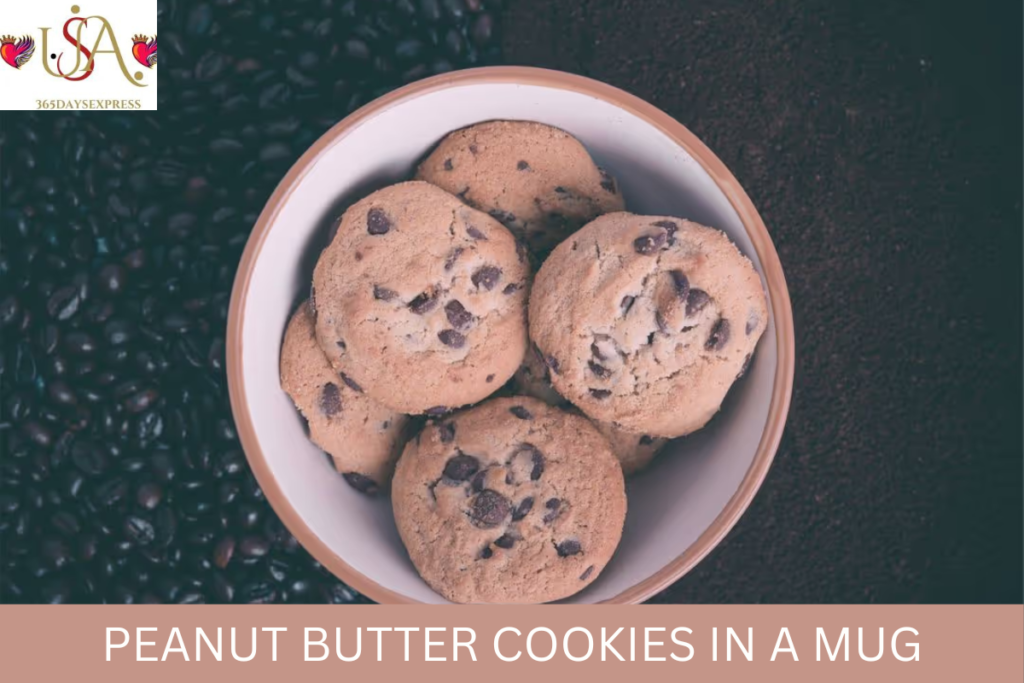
(503, 408)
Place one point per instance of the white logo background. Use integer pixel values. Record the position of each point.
(31, 86)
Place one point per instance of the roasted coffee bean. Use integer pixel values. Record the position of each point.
(124, 237)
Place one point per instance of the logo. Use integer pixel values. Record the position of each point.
(88, 59)
(17, 53)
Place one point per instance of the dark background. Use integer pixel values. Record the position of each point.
(881, 142)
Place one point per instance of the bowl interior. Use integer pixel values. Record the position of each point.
(670, 505)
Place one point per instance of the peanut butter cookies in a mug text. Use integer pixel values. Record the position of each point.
(501, 408)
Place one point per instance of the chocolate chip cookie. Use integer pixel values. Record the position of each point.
(539, 181)
(363, 437)
(662, 317)
(510, 501)
(421, 300)
(633, 451)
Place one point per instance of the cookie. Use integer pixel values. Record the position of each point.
(421, 300)
(362, 437)
(510, 501)
(634, 452)
(539, 181)
(662, 317)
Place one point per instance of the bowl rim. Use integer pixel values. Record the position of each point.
(778, 294)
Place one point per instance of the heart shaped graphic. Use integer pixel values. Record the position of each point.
(17, 52)
(144, 50)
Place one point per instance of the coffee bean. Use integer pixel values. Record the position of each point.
(330, 399)
(719, 336)
(457, 314)
(377, 222)
(696, 301)
(139, 530)
(521, 412)
(63, 303)
(489, 508)
(568, 547)
(361, 482)
(452, 338)
(461, 467)
(254, 546)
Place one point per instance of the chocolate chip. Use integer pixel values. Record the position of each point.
(446, 432)
(423, 303)
(505, 541)
(489, 509)
(719, 336)
(696, 300)
(448, 165)
(681, 283)
(330, 399)
(670, 228)
(554, 507)
(569, 547)
(744, 367)
(479, 481)
(538, 465)
(486, 277)
(607, 182)
(341, 344)
(461, 467)
(359, 256)
(646, 440)
(489, 379)
(552, 363)
(377, 222)
(451, 338)
(457, 314)
(586, 573)
(511, 289)
(503, 216)
(561, 190)
(475, 233)
(648, 244)
(600, 393)
(521, 412)
(523, 509)
(627, 303)
(596, 351)
(520, 250)
(383, 293)
(523, 166)
(453, 256)
(752, 322)
(473, 149)
(486, 553)
(361, 482)
(351, 383)
(312, 299)
(437, 410)
(598, 370)
(662, 324)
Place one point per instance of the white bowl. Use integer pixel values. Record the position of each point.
(694, 492)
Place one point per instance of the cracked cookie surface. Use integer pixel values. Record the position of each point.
(422, 300)
(362, 437)
(510, 501)
(633, 451)
(539, 181)
(662, 317)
